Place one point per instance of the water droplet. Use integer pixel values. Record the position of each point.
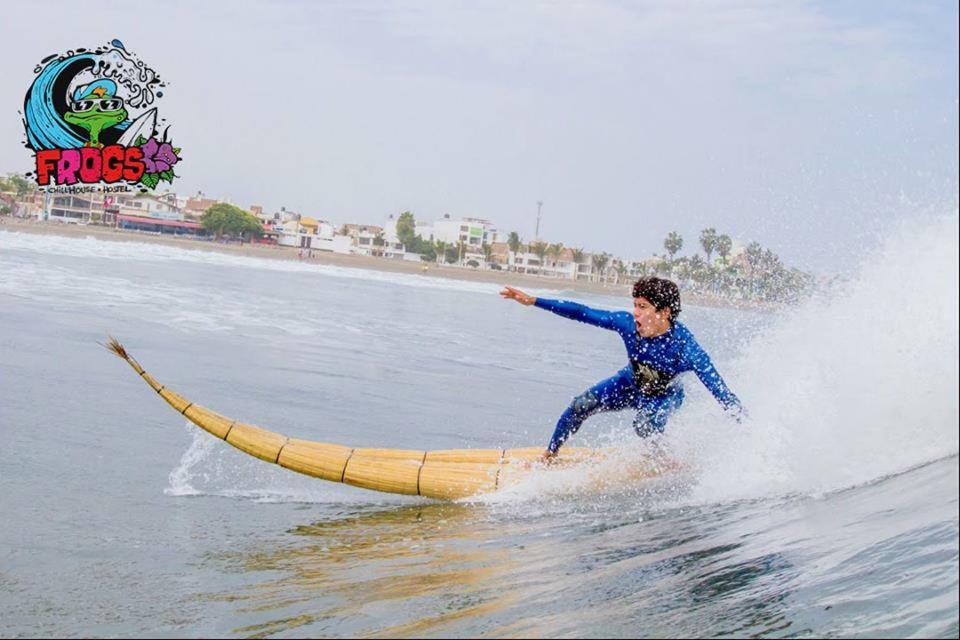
(119, 45)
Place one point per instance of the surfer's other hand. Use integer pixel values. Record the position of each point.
(738, 414)
(548, 457)
(509, 293)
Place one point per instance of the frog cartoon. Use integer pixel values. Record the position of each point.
(96, 107)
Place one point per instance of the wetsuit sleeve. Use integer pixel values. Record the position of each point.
(700, 363)
(580, 312)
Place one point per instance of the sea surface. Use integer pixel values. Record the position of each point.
(832, 511)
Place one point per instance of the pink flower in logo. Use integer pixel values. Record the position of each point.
(158, 157)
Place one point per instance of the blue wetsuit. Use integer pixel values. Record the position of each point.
(648, 384)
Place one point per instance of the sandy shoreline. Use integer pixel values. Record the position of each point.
(358, 262)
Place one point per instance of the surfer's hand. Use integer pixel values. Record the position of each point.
(547, 457)
(509, 293)
(738, 414)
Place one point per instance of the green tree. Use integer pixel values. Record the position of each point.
(487, 252)
(406, 230)
(21, 185)
(577, 255)
(754, 254)
(225, 219)
(723, 245)
(600, 261)
(554, 250)
(621, 270)
(427, 251)
(673, 243)
(698, 270)
(513, 241)
(639, 268)
(539, 248)
(708, 240)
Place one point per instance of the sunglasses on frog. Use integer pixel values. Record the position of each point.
(105, 104)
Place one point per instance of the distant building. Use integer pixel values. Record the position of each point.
(295, 230)
(469, 235)
(472, 232)
(364, 238)
(160, 225)
(103, 209)
(195, 206)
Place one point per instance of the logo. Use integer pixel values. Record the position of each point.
(92, 122)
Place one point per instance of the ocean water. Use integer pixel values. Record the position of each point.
(832, 511)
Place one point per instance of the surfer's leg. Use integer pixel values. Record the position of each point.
(653, 412)
(612, 394)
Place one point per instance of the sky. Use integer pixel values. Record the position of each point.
(806, 126)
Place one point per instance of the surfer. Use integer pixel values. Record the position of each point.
(659, 348)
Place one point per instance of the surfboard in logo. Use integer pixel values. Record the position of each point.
(91, 119)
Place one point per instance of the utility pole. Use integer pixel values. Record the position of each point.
(536, 236)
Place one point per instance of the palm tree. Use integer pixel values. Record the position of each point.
(513, 241)
(378, 242)
(754, 253)
(638, 268)
(708, 240)
(620, 269)
(487, 252)
(540, 249)
(673, 243)
(554, 251)
(699, 270)
(723, 246)
(600, 262)
(577, 255)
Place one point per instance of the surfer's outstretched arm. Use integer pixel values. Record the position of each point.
(701, 364)
(566, 309)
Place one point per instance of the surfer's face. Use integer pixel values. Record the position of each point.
(650, 321)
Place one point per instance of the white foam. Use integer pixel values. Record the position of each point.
(91, 247)
(182, 476)
(848, 388)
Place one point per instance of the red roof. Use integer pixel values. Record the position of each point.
(183, 224)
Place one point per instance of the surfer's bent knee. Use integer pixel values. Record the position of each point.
(646, 429)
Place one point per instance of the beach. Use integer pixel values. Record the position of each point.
(276, 252)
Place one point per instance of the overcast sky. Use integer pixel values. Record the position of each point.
(804, 126)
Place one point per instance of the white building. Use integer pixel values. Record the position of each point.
(307, 233)
(103, 208)
(473, 232)
(147, 205)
